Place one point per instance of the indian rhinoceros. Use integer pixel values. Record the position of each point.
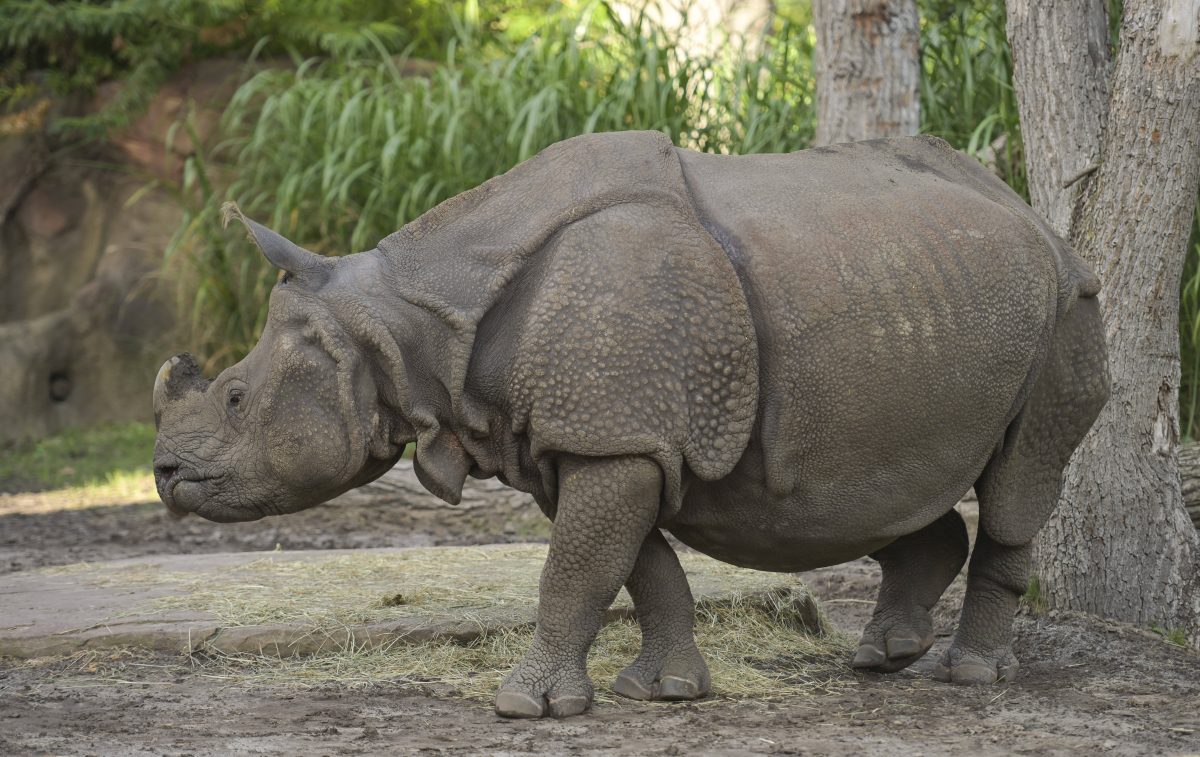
(785, 361)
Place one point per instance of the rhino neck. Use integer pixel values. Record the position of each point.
(412, 353)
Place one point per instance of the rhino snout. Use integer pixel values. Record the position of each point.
(166, 478)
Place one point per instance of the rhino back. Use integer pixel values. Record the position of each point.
(900, 313)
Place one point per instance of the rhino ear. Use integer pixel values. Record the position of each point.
(282, 252)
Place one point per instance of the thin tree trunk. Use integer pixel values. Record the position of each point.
(868, 69)
(1120, 543)
(1061, 56)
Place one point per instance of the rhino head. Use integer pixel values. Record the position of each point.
(295, 423)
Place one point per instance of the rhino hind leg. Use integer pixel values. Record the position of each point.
(1018, 491)
(669, 666)
(917, 568)
(982, 649)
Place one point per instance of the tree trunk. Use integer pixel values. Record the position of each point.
(1120, 543)
(1060, 55)
(868, 69)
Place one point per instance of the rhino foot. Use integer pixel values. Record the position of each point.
(680, 676)
(917, 568)
(887, 647)
(960, 666)
(526, 694)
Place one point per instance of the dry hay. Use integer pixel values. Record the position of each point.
(754, 649)
(757, 645)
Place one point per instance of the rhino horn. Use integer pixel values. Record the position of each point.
(178, 375)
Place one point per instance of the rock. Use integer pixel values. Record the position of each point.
(200, 90)
(22, 158)
(43, 213)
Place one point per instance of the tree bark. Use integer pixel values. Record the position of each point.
(1060, 54)
(1120, 543)
(868, 69)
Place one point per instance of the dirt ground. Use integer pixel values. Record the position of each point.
(1086, 686)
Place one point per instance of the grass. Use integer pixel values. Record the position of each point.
(967, 95)
(114, 457)
(118, 488)
(1032, 600)
(1176, 636)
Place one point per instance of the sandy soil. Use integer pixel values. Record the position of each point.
(1086, 686)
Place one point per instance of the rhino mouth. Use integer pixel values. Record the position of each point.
(168, 475)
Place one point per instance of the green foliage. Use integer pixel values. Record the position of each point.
(78, 44)
(1189, 336)
(1032, 601)
(337, 154)
(967, 96)
(78, 458)
(1176, 636)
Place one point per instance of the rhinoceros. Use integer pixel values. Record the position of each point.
(785, 361)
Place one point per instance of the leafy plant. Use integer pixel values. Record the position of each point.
(1176, 636)
(78, 44)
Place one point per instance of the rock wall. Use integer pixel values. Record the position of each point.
(87, 313)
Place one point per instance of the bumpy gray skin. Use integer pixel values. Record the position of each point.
(786, 361)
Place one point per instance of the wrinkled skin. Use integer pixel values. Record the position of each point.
(786, 361)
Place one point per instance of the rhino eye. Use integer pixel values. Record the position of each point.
(235, 398)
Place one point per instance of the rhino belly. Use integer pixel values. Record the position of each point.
(738, 520)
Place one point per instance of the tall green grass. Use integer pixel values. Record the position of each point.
(1189, 337)
(967, 95)
(337, 154)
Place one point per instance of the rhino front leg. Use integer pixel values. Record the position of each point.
(669, 666)
(606, 507)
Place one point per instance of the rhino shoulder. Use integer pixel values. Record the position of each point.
(639, 341)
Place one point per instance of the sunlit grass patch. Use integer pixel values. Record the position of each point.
(97, 456)
(117, 488)
(105, 465)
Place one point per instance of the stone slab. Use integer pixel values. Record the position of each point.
(296, 603)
